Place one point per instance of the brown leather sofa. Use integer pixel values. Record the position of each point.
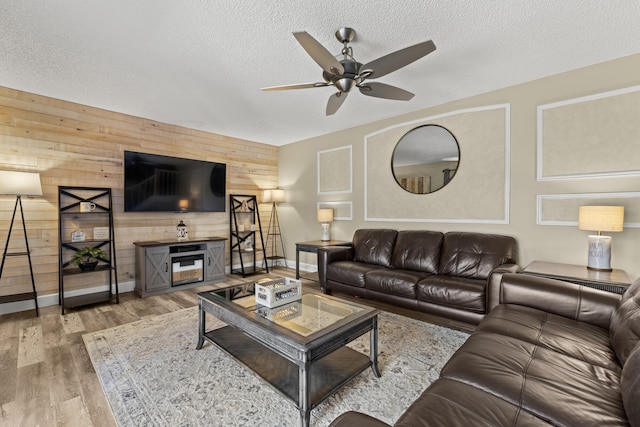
(551, 353)
(454, 275)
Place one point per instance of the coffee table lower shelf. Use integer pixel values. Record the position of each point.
(325, 376)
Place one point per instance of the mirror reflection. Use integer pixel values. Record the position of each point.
(425, 159)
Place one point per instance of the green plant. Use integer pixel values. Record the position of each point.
(88, 254)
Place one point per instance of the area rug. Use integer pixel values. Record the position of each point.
(152, 375)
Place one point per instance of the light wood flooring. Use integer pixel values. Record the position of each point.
(46, 377)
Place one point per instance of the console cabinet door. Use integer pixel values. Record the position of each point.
(157, 268)
(215, 260)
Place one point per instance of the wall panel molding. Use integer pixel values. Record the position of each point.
(478, 193)
(590, 136)
(335, 174)
(342, 211)
(562, 209)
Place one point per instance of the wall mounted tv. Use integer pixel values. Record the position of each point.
(154, 183)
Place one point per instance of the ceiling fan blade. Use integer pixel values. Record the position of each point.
(296, 86)
(319, 53)
(398, 59)
(335, 102)
(382, 90)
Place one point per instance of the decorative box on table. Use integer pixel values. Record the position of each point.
(273, 293)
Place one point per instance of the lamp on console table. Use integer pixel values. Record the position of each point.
(325, 217)
(20, 184)
(600, 218)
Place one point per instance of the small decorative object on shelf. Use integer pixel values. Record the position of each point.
(274, 293)
(87, 207)
(183, 233)
(100, 233)
(87, 258)
(77, 236)
(248, 244)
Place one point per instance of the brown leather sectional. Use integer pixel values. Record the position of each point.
(551, 353)
(454, 275)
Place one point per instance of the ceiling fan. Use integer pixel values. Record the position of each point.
(346, 73)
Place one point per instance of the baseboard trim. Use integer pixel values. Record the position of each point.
(49, 300)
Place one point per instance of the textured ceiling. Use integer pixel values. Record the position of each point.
(201, 64)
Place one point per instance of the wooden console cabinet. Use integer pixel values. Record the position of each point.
(169, 265)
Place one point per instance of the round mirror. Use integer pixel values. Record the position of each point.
(425, 159)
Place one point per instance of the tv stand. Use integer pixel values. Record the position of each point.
(168, 265)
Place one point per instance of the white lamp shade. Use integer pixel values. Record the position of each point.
(274, 195)
(325, 215)
(20, 183)
(601, 218)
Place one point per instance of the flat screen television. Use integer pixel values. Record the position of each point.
(154, 183)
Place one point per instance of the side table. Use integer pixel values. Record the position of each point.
(312, 247)
(615, 281)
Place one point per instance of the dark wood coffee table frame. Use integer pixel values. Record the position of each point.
(305, 370)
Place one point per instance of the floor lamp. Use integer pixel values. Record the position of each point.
(20, 184)
(274, 235)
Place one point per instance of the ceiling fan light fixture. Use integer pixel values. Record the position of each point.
(345, 84)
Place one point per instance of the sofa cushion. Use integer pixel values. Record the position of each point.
(442, 405)
(349, 272)
(475, 255)
(401, 283)
(555, 387)
(630, 386)
(374, 246)
(417, 250)
(573, 338)
(625, 323)
(467, 294)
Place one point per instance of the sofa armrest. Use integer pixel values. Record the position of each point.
(326, 256)
(357, 419)
(493, 283)
(565, 299)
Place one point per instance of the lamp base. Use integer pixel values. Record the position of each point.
(599, 253)
(326, 232)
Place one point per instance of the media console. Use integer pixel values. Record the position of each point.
(168, 265)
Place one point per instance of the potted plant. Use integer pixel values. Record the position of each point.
(87, 257)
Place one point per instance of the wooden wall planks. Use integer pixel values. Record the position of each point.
(78, 145)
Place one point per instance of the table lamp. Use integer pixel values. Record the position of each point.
(325, 216)
(600, 218)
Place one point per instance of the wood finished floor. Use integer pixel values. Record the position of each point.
(46, 377)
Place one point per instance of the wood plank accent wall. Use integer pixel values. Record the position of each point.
(77, 145)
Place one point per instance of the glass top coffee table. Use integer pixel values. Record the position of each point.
(298, 348)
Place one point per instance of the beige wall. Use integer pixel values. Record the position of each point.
(76, 145)
(298, 173)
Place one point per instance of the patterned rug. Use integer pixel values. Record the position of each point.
(152, 375)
